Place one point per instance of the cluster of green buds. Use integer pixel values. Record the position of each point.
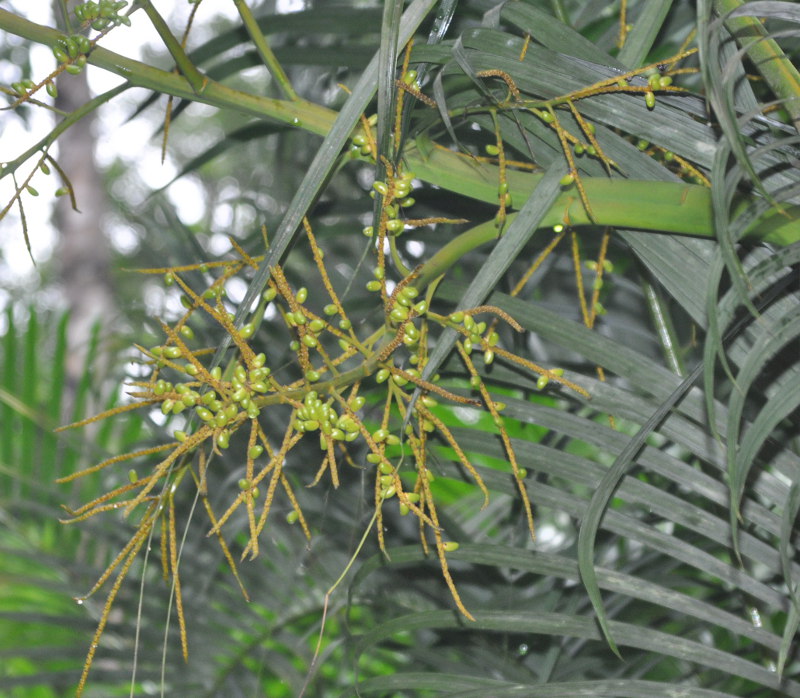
(403, 306)
(102, 15)
(475, 338)
(410, 79)
(503, 195)
(22, 87)
(607, 267)
(386, 479)
(239, 396)
(542, 381)
(581, 148)
(657, 81)
(396, 195)
(361, 145)
(71, 51)
(383, 374)
(316, 415)
(218, 411)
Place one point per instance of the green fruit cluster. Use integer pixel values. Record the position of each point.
(103, 14)
(316, 415)
(71, 51)
(22, 87)
(396, 194)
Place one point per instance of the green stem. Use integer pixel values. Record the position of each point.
(560, 11)
(196, 79)
(671, 207)
(665, 328)
(264, 50)
(768, 58)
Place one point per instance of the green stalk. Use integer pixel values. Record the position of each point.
(769, 59)
(196, 79)
(264, 50)
(665, 329)
(668, 207)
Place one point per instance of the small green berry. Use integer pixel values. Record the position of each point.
(247, 330)
(457, 317)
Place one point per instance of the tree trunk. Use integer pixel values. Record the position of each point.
(83, 258)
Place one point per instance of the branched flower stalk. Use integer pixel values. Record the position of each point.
(318, 398)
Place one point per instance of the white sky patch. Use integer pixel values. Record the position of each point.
(235, 289)
(186, 195)
(123, 237)
(285, 7)
(218, 245)
(415, 248)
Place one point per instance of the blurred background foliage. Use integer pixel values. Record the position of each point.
(695, 552)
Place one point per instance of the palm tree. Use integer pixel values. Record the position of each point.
(574, 314)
